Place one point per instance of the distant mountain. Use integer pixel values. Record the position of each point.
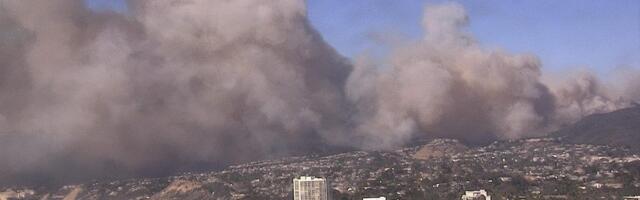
(617, 128)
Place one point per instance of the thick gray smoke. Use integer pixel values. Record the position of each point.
(447, 85)
(174, 85)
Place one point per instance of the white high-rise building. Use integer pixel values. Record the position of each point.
(310, 188)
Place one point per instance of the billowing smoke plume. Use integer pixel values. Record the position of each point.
(447, 85)
(174, 85)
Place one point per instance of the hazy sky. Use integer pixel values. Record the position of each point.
(597, 34)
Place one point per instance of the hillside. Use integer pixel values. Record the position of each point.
(525, 169)
(617, 128)
(439, 148)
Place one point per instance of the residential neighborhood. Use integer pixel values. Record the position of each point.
(540, 168)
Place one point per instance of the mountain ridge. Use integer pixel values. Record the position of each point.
(620, 127)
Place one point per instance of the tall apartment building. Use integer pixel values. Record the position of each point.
(310, 188)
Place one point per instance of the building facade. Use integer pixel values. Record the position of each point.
(310, 188)
(476, 195)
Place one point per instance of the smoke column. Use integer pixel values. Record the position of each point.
(173, 85)
(447, 85)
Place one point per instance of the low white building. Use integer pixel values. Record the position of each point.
(376, 198)
(475, 195)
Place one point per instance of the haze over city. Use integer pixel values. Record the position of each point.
(117, 89)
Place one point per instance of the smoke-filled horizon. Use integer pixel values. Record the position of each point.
(177, 84)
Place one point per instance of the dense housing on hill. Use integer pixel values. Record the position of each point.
(525, 169)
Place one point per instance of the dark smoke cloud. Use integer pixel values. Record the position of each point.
(174, 85)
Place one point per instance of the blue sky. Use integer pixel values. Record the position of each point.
(117, 5)
(597, 34)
